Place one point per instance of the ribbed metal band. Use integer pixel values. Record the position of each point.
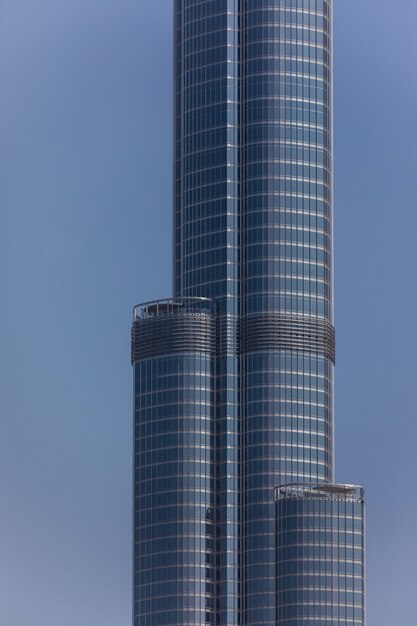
(269, 331)
(175, 332)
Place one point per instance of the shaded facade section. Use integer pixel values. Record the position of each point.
(175, 537)
(320, 555)
(206, 224)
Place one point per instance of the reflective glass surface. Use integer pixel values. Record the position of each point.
(175, 536)
(219, 427)
(320, 556)
(206, 225)
(286, 270)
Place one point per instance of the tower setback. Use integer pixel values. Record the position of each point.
(235, 510)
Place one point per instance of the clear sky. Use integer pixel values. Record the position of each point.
(85, 232)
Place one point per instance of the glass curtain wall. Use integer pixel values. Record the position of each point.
(234, 375)
(287, 341)
(175, 533)
(206, 226)
(320, 555)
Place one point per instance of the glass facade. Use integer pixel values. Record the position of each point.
(286, 270)
(252, 254)
(175, 537)
(206, 225)
(320, 555)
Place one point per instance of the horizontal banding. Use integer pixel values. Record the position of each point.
(273, 331)
(175, 332)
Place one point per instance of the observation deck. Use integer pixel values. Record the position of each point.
(172, 325)
(320, 491)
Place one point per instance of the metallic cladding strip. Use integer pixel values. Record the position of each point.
(286, 332)
(185, 332)
(227, 335)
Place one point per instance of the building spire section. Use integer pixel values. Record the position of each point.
(234, 374)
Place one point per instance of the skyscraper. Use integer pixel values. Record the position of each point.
(237, 520)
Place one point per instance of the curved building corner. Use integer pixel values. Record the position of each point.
(173, 355)
(320, 558)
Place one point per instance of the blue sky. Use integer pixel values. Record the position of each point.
(85, 232)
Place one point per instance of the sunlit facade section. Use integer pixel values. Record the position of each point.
(320, 555)
(234, 374)
(286, 331)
